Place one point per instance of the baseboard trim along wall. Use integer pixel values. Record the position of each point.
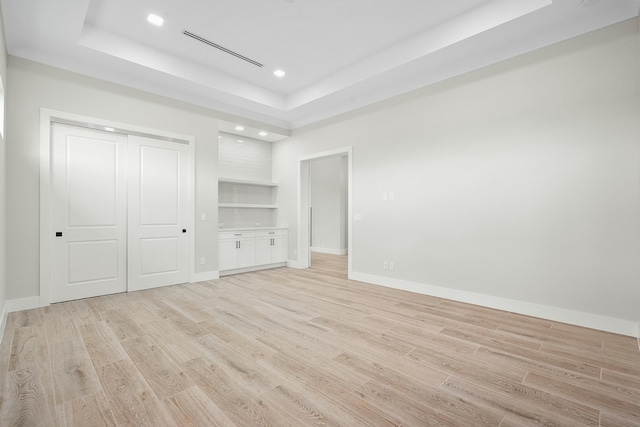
(330, 251)
(294, 264)
(588, 320)
(206, 276)
(3, 321)
(18, 304)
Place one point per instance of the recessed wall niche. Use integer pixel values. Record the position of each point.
(246, 194)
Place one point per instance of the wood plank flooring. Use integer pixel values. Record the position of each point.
(297, 348)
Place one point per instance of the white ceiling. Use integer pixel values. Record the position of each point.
(339, 55)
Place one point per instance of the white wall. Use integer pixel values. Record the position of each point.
(328, 201)
(3, 184)
(517, 182)
(32, 86)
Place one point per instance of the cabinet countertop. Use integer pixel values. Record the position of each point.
(252, 229)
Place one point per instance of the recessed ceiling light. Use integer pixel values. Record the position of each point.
(239, 128)
(155, 19)
(263, 133)
(219, 136)
(279, 73)
(109, 129)
(240, 141)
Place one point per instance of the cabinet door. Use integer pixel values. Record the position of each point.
(228, 254)
(279, 249)
(247, 252)
(263, 250)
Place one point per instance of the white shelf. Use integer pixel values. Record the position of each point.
(247, 205)
(243, 182)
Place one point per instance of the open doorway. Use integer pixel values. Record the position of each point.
(325, 227)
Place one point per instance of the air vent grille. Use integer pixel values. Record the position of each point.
(222, 48)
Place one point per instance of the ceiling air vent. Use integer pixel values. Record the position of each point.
(222, 48)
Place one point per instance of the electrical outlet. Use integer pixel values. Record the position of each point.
(391, 265)
(202, 261)
(385, 265)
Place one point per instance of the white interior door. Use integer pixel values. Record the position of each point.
(88, 213)
(158, 212)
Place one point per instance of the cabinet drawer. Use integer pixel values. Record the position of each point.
(272, 233)
(229, 235)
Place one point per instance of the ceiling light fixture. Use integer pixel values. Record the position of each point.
(263, 133)
(239, 128)
(279, 73)
(240, 141)
(155, 19)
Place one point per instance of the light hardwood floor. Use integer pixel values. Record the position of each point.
(295, 348)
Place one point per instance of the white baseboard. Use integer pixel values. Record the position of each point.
(207, 275)
(3, 320)
(253, 268)
(588, 320)
(294, 264)
(18, 304)
(330, 251)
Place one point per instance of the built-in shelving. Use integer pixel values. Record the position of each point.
(246, 203)
(244, 182)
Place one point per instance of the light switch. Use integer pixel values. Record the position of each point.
(392, 196)
(384, 196)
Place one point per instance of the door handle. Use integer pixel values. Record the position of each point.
(58, 233)
(184, 230)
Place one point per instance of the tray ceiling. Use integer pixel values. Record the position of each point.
(337, 55)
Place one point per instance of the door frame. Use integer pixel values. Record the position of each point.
(304, 195)
(47, 117)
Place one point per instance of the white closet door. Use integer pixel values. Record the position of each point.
(88, 249)
(158, 209)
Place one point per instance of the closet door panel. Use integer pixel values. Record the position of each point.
(158, 210)
(88, 249)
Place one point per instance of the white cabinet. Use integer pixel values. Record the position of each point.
(270, 247)
(247, 250)
(237, 250)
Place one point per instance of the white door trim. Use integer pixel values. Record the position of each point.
(48, 116)
(303, 217)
